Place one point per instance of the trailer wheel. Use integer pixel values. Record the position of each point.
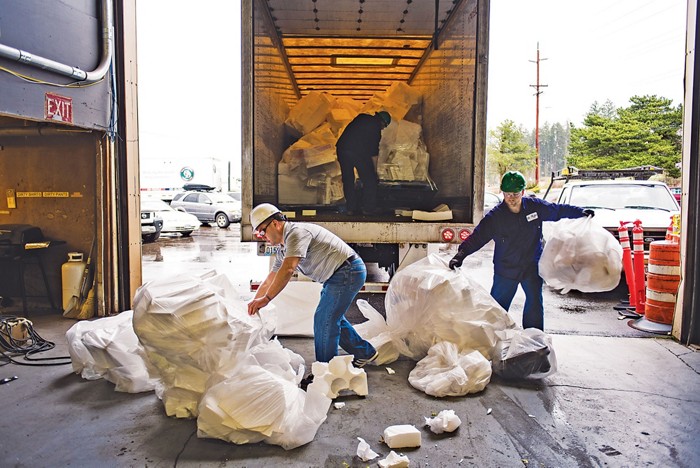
(222, 220)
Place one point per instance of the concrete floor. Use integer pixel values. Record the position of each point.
(616, 400)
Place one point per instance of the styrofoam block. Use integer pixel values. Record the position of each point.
(364, 451)
(309, 112)
(445, 421)
(318, 155)
(394, 460)
(330, 378)
(402, 436)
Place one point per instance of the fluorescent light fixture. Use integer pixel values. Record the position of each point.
(362, 61)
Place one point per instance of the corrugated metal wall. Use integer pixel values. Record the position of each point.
(272, 89)
(447, 81)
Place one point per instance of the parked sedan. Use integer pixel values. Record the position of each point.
(173, 221)
(210, 207)
(490, 201)
(151, 226)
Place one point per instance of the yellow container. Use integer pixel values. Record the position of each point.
(72, 276)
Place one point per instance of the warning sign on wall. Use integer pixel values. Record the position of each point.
(58, 108)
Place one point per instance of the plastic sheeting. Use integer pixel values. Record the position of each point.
(191, 329)
(427, 303)
(447, 372)
(258, 400)
(402, 153)
(524, 354)
(108, 348)
(580, 255)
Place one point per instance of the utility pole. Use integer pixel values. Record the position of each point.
(537, 87)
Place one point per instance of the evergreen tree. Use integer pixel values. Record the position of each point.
(647, 133)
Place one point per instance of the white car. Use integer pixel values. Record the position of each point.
(613, 201)
(173, 221)
(491, 200)
(209, 207)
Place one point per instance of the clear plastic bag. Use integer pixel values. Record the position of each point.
(580, 255)
(445, 371)
(524, 354)
(427, 303)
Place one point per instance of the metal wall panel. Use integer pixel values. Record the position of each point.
(66, 32)
(447, 80)
(272, 90)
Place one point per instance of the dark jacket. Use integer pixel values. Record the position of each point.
(518, 236)
(361, 136)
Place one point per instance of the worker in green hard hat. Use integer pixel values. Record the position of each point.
(516, 227)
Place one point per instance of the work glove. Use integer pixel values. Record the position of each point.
(457, 260)
(588, 212)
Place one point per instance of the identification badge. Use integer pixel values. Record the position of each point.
(531, 217)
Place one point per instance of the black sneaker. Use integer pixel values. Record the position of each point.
(360, 363)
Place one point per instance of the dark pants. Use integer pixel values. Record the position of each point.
(368, 176)
(504, 289)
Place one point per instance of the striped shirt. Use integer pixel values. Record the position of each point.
(321, 252)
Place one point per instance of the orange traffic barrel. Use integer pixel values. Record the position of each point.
(663, 278)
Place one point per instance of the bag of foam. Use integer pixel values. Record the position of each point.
(579, 254)
(524, 354)
(427, 303)
(108, 348)
(447, 372)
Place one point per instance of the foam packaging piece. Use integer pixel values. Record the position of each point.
(330, 378)
(364, 451)
(402, 436)
(445, 421)
(394, 460)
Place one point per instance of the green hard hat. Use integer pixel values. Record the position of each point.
(512, 181)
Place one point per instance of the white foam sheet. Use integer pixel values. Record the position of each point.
(108, 348)
(427, 303)
(293, 309)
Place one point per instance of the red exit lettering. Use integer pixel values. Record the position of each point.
(59, 108)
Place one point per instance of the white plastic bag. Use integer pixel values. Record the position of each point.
(524, 354)
(190, 329)
(427, 303)
(448, 372)
(580, 254)
(258, 399)
(108, 348)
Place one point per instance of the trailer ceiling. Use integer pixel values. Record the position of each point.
(355, 48)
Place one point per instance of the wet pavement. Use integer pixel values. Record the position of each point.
(615, 401)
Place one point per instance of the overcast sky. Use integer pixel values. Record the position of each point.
(189, 65)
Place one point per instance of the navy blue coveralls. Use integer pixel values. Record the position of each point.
(355, 148)
(518, 239)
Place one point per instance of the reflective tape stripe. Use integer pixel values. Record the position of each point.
(660, 297)
(664, 270)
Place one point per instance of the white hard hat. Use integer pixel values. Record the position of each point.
(260, 213)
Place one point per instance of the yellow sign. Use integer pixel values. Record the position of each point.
(76, 195)
(11, 200)
(28, 194)
(54, 194)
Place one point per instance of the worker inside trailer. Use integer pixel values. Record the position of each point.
(516, 227)
(355, 148)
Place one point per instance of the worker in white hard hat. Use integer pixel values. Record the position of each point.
(325, 258)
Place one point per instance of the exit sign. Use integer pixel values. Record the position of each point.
(58, 108)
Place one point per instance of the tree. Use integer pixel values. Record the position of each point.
(508, 150)
(554, 143)
(647, 133)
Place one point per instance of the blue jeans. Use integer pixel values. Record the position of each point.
(504, 289)
(331, 328)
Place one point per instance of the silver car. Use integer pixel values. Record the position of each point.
(209, 207)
